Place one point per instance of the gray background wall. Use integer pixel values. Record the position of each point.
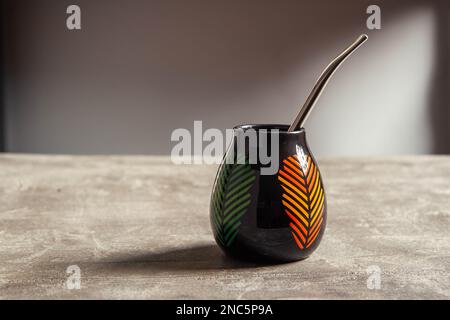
(139, 69)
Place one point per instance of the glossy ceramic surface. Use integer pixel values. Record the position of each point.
(278, 217)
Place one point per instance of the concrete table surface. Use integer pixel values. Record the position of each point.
(138, 227)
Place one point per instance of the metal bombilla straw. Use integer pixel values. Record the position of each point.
(322, 82)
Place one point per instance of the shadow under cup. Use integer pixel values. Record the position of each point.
(268, 210)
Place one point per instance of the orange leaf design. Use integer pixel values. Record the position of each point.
(303, 198)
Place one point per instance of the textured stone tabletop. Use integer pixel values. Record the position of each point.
(138, 227)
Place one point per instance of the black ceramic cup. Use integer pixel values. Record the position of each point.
(268, 211)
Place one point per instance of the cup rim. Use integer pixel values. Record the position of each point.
(281, 127)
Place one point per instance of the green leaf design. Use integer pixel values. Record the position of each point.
(231, 199)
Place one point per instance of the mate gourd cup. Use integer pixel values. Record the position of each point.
(278, 217)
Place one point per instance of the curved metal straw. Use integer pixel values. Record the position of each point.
(322, 82)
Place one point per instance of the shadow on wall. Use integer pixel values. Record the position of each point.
(2, 75)
(439, 97)
(140, 69)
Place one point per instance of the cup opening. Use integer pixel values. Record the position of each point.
(283, 128)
